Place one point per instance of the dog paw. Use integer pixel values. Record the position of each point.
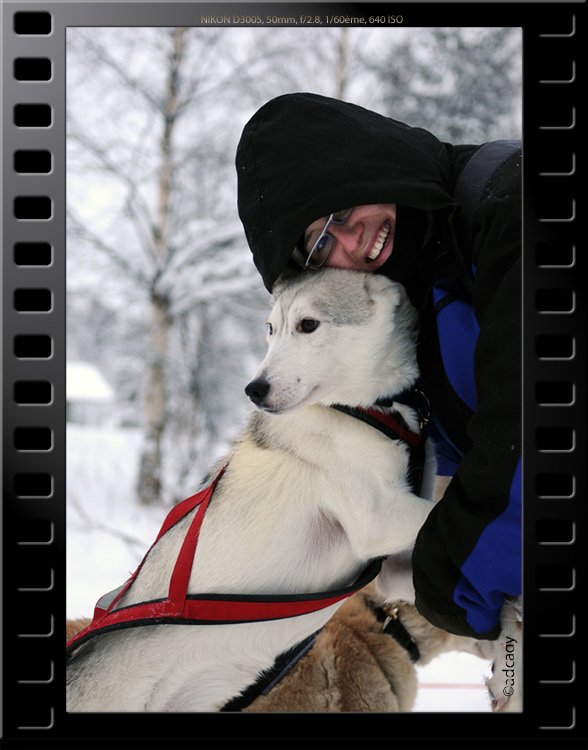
(505, 686)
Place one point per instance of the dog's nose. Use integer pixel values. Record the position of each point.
(257, 390)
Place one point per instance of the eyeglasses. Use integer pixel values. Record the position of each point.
(321, 249)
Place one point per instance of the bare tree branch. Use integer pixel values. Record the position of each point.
(77, 227)
(129, 82)
(90, 524)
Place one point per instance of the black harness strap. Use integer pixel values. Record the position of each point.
(286, 661)
(396, 429)
(270, 677)
(413, 397)
(396, 629)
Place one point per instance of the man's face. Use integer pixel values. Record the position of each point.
(363, 242)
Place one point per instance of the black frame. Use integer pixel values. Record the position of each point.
(554, 358)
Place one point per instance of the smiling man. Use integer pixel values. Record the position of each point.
(359, 239)
(323, 182)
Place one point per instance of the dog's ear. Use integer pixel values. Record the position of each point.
(376, 284)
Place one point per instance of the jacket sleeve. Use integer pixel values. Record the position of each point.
(468, 554)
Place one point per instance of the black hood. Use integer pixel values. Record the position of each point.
(303, 156)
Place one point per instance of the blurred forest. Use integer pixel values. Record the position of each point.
(163, 296)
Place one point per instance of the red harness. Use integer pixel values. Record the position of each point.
(203, 609)
(181, 608)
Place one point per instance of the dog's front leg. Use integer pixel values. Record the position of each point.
(394, 581)
(385, 523)
(397, 524)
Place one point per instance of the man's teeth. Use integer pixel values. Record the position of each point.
(381, 240)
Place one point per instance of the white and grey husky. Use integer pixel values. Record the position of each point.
(309, 496)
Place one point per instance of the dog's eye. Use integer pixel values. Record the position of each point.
(270, 329)
(307, 325)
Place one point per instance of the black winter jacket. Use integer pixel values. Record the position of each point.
(303, 156)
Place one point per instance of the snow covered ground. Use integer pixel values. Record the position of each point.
(108, 533)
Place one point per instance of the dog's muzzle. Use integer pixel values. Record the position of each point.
(257, 390)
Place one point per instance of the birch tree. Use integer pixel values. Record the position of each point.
(157, 129)
(161, 247)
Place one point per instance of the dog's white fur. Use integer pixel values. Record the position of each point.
(307, 498)
(309, 495)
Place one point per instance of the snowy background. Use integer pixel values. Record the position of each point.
(166, 312)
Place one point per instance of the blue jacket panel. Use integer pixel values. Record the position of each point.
(467, 557)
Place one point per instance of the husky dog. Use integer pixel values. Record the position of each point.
(309, 496)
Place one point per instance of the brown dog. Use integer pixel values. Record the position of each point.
(355, 666)
(74, 626)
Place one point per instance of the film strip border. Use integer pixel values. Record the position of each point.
(34, 362)
(34, 365)
(555, 399)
